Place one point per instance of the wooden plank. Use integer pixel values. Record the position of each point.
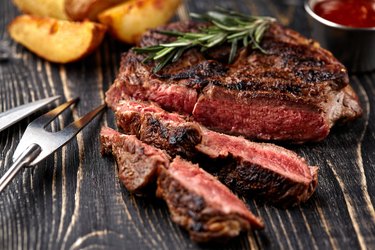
(74, 199)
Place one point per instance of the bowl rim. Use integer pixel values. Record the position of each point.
(308, 9)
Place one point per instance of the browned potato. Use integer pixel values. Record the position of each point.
(44, 8)
(82, 9)
(57, 40)
(128, 21)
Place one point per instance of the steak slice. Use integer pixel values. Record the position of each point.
(201, 204)
(137, 162)
(296, 92)
(152, 125)
(274, 173)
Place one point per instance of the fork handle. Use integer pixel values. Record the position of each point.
(27, 156)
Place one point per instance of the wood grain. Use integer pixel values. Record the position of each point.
(73, 200)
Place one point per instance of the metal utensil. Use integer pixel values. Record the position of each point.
(10, 117)
(37, 143)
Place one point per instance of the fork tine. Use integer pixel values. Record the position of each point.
(45, 119)
(72, 129)
(14, 115)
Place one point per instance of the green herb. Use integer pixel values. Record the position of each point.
(225, 27)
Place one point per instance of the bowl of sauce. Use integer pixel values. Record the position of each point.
(347, 29)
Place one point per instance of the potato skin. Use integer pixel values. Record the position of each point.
(82, 9)
(128, 21)
(43, 8)
(55, 40)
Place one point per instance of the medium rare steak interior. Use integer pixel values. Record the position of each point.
(201, 204)
(296, 92)
(197, 201)
(277, 175)
(265, 170)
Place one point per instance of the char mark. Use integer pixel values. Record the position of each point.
(201, 70)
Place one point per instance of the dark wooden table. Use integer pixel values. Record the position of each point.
(73, 200)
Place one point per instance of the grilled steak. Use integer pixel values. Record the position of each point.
(137, 162)
(153, 125)
(197, 201)
(201, 204)
(265, 170)
(295, 92)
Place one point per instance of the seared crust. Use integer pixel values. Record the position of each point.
(252, 179)
(154, 126)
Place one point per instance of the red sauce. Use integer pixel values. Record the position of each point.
(353, 13)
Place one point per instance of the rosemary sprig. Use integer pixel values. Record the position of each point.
(225, 26)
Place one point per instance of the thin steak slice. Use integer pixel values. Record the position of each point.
(152, 125)
(262, 169)
(274, 173)
(296, 92)
(201, 204)
(137, 162)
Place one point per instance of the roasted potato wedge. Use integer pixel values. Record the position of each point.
(43, 8)
(57, 40)
(128, 21)
(82, 9)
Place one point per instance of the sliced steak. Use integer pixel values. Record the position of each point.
(295, 92)
(137, 162)
(262, 169)
(197, 201)
(153, 125)
(201, 204)
(274, 173)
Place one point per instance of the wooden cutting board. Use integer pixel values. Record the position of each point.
(74, 200)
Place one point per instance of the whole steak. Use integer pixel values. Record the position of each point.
(294, 92)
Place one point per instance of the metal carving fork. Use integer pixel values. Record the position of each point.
(37, 143)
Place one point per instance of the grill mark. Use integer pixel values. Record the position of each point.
(200, 71)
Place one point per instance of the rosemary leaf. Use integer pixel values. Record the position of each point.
(179, 53)
(163, 52)
(164, 62)
(147, 49)
(227, 28)
(218, 39)
(233, 51)
(238, 34)
(245, 41)
(259, 32)
(177, 43)
(148, 58)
